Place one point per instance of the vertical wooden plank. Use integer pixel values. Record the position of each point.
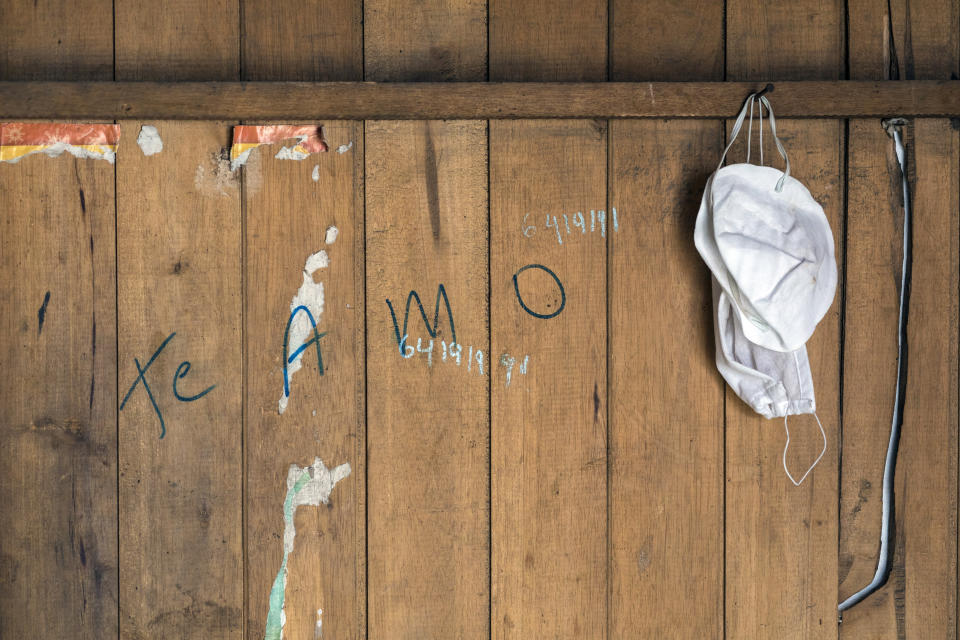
(177, 40)
(427, 442)
(178, 263)
(781, 540)
(288, 212)
(666, 407)
(905, 40)
(56, 40)
(302, 40)
(541, 41)
(179, 272)
(549, 426)
(58, 551)
(425, 40)
(428, 418)
(58, 483)
(287, 216)
(801, 40)
(666, 41)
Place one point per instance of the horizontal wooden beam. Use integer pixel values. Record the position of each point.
(466, 100)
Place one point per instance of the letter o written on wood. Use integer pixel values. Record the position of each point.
(563, 295)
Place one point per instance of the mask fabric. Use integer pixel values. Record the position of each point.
(770, 249)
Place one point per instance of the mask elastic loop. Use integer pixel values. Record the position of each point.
(760, 120)
(736, 127)
(783, 152)
(750, 131)
(787, 446)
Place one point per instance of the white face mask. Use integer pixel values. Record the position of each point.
(770, 249)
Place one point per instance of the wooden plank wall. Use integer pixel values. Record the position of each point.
(584, 475)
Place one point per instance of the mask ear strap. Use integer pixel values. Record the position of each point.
(823, 433)
(783, 152)
(736, 127)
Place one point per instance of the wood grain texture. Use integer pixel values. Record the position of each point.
(453, 100)
(56, 40)
(549, 427)
(302, 40)
(58, 550)
(177, 40)
(918, 39)
(781, 540)
(425, 40)
(666, 41)
(801, 40)
(179, 251)
(562, 41)
(428, 417)
(666, 407)
(287, 215)
(58, 453)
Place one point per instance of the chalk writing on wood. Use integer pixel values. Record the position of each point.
(567, 225)
(180, 373)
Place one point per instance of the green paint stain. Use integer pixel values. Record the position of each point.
(275, 621)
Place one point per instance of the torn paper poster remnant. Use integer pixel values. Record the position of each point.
(246, 138)
(21, 139)
(149, 140)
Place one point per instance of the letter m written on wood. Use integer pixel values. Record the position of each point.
(431, 329)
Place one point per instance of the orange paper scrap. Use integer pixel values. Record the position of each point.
(247, 137)
(20, 139)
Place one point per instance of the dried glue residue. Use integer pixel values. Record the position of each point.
(310, 295)
(213, 177)
(345, 147)
(316, 173)
(318, 632)
(331, 235)
(310, 486)
(149, 140)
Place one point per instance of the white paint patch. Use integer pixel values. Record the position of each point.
(310, 295)
(291, 153)
(316, 173)
(331, 236)
(345, 147)
(54, 150)
(309, 486)
(149, 140)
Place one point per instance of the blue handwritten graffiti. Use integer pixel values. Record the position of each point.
(432, 330)
(563, 295)
(314, 341)
(180, 373)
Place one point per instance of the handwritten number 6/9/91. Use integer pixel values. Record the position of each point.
(563, 295)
